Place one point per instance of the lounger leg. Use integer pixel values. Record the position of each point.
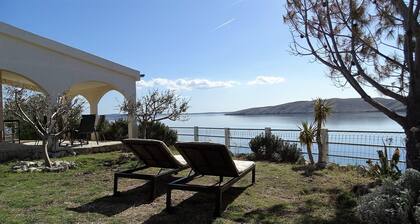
(96, 137)
(219, 202)
(168, 200)
(154, 188)
(116, 193)
(253, 175)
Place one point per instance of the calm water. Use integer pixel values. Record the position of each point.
(356, 121)
(339, 153)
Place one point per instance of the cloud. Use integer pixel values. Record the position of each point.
(186, 84)
(224, 24)
(266, 80)
(237, 2)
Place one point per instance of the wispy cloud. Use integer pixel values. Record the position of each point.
(186, 84)
(224, 24)
(237, 2)
(190, 84)
(266, 80)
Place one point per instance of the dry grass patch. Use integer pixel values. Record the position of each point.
(282, 194)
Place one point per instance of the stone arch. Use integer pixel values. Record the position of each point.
(15, 79)
(113, 92)
(86, 106)
(94, 91)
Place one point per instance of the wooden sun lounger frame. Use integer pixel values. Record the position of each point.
(154, 179)
(217, 189)
(131, 174)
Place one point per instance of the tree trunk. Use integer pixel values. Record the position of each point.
(311, 158)
(319, 143)
(412, 131)
(46, 144)
(412, 122)
(145, 130)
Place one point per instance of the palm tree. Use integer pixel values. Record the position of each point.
(306, 137)
(322, 110)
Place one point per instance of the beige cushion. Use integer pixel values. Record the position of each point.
(181, 160)
(241, 165)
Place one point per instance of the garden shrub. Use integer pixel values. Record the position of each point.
(346, 200)
(272, 148)
(27, 132)
(393, 202)
(159, 131)
(116, 130)
(385, 168)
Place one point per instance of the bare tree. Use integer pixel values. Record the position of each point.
(366, 44)
(156, 106)
(49, 118)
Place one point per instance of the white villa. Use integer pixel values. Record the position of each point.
(34, 62)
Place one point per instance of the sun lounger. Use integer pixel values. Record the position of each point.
(152, 153)
(213, 160)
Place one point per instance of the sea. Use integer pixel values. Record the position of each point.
(372, 121)
(339, 121)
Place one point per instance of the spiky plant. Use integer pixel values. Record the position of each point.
(306, 137)
(322, 110)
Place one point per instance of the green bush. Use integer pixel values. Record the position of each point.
(385, 168)
(393, 202)
(159, 131)
(346, 200)
(272, 148)
(116, 130)
(27, 132)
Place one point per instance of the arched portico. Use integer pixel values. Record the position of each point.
(56, 69)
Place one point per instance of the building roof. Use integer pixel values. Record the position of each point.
(60, 48)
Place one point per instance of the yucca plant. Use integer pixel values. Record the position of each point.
(306, 137)
(322, 110)
(385, 168)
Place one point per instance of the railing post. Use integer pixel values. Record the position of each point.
(227, 137)
(196, 139)
(267, 131)
(323, 151)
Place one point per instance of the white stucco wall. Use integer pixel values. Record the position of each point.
(57, 68)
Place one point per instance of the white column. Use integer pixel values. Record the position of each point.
(93, 105)
(132, 122)
(132, 126)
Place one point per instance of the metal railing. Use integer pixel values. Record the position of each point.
(344, 146)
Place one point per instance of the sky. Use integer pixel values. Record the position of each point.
(222, 55)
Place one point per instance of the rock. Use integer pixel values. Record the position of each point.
(360, 189)
(108, 163)
(33, 169)
(53, 169)
(38, 166)
(29, 164)
(16, 167)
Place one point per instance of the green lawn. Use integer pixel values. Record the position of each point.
(282, 194)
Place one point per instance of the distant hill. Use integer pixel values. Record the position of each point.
(114, 117)
(351, 105)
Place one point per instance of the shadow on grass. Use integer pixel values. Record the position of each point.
(344, 209)
(198, 208)
(344, 203)
(113, 205)
(264, 215)
(307, 170)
